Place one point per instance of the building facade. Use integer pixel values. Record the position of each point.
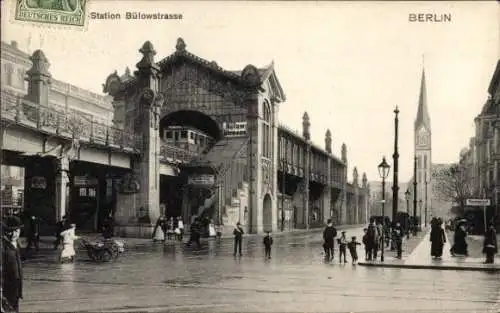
(481, 159)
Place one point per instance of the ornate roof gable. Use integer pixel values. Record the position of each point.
(250, 77)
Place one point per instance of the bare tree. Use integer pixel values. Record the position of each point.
(453, 183)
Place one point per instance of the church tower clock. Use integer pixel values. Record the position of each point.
(423, 152)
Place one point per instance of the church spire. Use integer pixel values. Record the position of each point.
(423, 118)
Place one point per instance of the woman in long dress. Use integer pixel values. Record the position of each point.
(438, 238)
(68, 236)
(211, 229)
(158, 233)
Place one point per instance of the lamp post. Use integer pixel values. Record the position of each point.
(415, 196)
(283, 177)
(383, 170)
(407, 198)
(420, 212)
(395, 172)
(425, 211)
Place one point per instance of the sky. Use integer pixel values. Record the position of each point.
(348, 64)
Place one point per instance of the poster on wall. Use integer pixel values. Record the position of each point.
(38, 182)
(201, 180)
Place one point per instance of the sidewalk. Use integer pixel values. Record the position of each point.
(420, 258)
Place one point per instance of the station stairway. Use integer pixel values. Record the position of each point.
(229, 157)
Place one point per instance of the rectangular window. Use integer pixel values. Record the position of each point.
(169, 135)
(184, 134)
(425, 162)
(92, 192)
(191, 135)
(82, 192)
(419, 177)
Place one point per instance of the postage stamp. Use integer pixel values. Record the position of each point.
(62, 12)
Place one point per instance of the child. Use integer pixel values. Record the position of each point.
(352, 249)
(68, 237)
(365, 243)
(342, 241)
(268, 242)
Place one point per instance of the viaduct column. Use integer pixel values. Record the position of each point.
(307, 165)
(327, 191)
(138, 207)
(254, 164)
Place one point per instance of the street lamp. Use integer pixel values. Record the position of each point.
(407, 198)
(420, 213)
(383, 170)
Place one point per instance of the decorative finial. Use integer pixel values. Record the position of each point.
(127, 71)
(344, 153)
(355, 175)
(328, 141)
(40, 64)
(305, 126)
(365, 180)
(181, 45)
(148, 56)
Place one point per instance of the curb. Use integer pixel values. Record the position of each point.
(433, 267)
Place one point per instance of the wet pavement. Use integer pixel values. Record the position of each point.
(174, 278)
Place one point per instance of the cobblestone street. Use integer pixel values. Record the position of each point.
(172, 277)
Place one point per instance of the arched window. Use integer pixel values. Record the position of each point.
(266, 131)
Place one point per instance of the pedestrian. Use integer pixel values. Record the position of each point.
(329, 235)
(69, 237)
(220, 230)
(180, 226)
(211, 229)
(490, 244)
(397, 238)
(342, 241)
(108, 227)
(195, 234)
(459, 240)
(365, 243)
(12, 271)
(158, 231)
(33, 233)
(268, 242)
(238, 237)
(170, 228)
(437, 238)
(373, 240)
(352, 246)
(60, 226)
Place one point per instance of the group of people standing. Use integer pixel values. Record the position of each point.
(168, 228)
(329, 235)
(378, 236)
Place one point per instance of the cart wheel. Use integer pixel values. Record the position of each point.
(106, 255)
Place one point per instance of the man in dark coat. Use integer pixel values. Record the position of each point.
(329, 235)
(372, 239)
(12, 271)
(238, 238)
(108, 227)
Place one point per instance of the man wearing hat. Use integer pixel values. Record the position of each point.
(12, 271)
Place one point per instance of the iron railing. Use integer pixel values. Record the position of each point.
(64, 122)
(74, 124)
